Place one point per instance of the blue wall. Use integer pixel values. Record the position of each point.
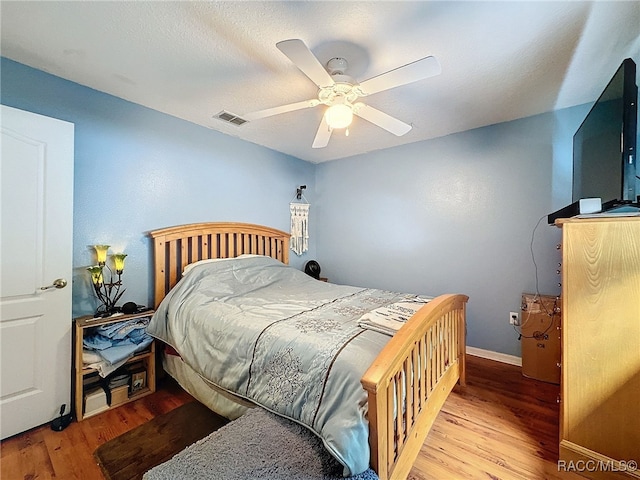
(137, 170)
(461, 213)
(453, 214)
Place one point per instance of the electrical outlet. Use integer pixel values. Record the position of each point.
(514, 318)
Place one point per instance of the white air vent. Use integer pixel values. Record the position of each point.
(230, 118)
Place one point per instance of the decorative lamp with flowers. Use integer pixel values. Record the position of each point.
(108, 293)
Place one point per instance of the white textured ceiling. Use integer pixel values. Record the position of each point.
(500, 60)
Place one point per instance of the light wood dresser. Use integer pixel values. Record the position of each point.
(600, 381)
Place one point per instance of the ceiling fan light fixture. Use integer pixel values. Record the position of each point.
(339, 116)
(339, 92)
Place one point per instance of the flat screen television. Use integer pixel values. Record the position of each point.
(604, 147)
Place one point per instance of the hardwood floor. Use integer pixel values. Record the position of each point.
(44, 454)
(500, 426)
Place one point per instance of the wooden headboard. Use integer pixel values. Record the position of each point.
(176, 247)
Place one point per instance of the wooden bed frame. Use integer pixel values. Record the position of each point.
(429, 350)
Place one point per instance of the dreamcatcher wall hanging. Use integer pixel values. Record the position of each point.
(299, 222)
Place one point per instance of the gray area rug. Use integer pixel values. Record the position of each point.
(258, 445)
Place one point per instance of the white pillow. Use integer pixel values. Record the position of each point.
(188, 268)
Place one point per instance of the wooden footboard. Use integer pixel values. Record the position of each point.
(410, 380)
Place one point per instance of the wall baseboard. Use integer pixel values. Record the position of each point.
(497, 356)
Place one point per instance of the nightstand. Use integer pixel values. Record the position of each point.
(89, 399)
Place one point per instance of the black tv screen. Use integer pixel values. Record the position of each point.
(604, 147)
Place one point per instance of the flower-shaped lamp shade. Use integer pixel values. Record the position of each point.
(118, 262)
(96, 274)
(101, 253)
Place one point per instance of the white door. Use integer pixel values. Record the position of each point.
(36, 187)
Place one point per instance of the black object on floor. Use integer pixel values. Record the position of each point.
(63, 421)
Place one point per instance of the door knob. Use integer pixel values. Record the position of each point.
(57, 283)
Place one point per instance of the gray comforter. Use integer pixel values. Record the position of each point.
(274, 335)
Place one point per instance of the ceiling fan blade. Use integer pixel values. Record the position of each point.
(412, 72)
(322, 135)
(381, 119)
(306, 61)
(269, 112)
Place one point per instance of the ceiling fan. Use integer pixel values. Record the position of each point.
(341, 93)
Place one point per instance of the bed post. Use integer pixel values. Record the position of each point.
(462, 345)
(377, 434)
(159, 280)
